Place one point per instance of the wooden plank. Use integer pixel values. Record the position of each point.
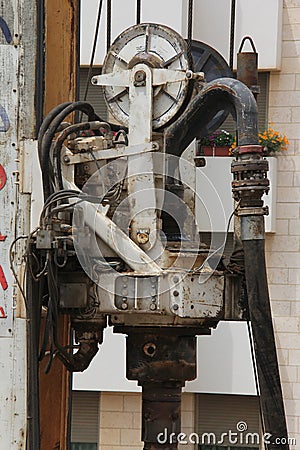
(54, 397)
(61, 21)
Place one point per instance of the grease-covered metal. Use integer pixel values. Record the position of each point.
(161, 360)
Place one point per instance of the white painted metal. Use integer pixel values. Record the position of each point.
(118, 241)
(13, 221)
(113, 236)
(110, 153)
(141, 183)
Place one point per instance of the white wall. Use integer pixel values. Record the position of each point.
(260, 19)
(224, 364)
(168, 12)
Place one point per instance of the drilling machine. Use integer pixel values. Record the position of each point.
(118, 244)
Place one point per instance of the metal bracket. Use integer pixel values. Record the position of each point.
(111, 153)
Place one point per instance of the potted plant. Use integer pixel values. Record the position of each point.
(216, 144)
(272, 142)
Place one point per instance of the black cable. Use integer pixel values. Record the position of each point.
(108, 24)
(138, 12)
(93, 50)
(124, 134)
(48, 136)
(40, 63)
(190, 32)
(48, 119)
(232, 33)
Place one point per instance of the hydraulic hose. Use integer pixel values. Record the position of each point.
(263, 334)
(82, 358)
(50, 127)
(48, 119)
(220, 94)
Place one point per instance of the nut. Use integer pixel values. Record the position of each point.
(142, 236)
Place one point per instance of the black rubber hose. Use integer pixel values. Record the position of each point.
(48, 135)
(50, 127)
(34, 295)
(220, 94)
(48, 119)
(80, 361)
(264, 343)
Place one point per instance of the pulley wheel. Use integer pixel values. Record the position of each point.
(159, 47)
(206, 59)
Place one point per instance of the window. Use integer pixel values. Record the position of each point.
(78, 446)
(85, 420)
(95, 93)
(227, 422)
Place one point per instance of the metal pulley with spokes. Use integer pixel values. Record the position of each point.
(165, 52)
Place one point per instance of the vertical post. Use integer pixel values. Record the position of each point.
(61, 63)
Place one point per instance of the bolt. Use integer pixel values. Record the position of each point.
(176, 279)
(124, 306)
(153, 306)
(175, 293)
(66, 159)
(139, 76)
(175, 307)
(94, 80)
